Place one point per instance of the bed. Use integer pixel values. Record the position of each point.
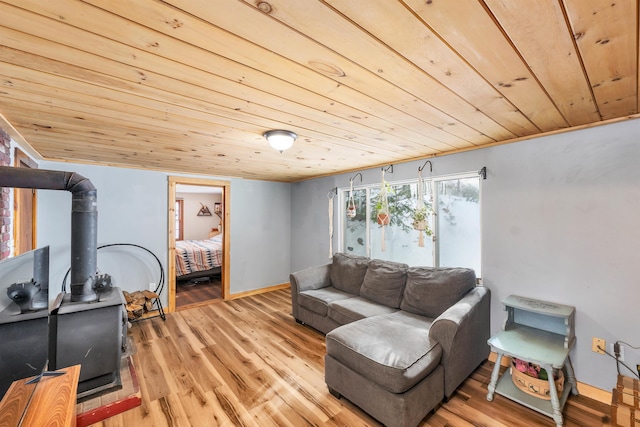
(198, 258)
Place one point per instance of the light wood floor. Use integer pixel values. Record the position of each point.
(207, 290)
(247, 363)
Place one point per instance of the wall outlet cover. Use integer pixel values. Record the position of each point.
(597, 344)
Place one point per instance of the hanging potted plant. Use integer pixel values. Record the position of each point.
(383, 218)
(382, 204)
(421, 214)
(420, 219)
(351, 204)
(382, 213)
(351, 210)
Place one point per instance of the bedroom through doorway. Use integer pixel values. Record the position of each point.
(198, 242)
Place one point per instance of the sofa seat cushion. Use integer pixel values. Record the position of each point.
(386, 350)
(430, 291)
(349, 310)
(384, 282)
(318, 300)
(347, 272)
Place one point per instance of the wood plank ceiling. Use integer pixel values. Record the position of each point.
(191, 85)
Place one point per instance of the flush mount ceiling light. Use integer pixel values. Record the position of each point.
(280, 139)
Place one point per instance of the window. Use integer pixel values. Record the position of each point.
(455, 223)
(179, 219)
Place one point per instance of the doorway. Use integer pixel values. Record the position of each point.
(196, 278)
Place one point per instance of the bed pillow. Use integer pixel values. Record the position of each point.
(347, 272)
(430, 291)
(384, 282)
(217, 238)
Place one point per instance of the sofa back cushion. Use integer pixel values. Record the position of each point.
(430, 291)
(347, 272)
(384, 282)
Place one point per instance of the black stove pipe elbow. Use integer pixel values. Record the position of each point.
(84, 220)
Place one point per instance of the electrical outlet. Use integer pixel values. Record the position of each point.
(612, 351)
(152, 287)
(598, 345)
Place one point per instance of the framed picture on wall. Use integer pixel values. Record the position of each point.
(217, 208)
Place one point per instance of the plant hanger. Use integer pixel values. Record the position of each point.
(383, 215)
(351, 204)
(423, 211)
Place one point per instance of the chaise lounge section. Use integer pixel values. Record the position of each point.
(399, 339)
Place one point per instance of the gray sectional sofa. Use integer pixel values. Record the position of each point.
(399, 339)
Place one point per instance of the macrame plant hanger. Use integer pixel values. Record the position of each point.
(383, 214)
(422, 224)
(420, 205)
(351, 203)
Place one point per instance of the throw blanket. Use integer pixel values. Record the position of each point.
(198, 255)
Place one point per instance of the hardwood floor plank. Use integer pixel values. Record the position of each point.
(153, 377)
(350, 416)
(190, 332)
(203, 410)
(199, 324)
(200, 369)
(172, 357)
(273, 416)
(584, 411)
(444, 418)
(278, 300)
(228, 332)
(246, 362)
(286, 401)
(190, 294)
(159, 327)
(235, 370)
(233, 409)
(171, 412)
(470, 414)
(282, 359)
(234, 312)
(142, 332)
(312, 394)
(298, 340)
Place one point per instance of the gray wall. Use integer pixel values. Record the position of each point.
(132, 208)
(260, 234)
(560, 221)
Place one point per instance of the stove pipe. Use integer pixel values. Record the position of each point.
(84, 220)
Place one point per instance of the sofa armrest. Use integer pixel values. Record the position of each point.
(462, 331)
(304, 280)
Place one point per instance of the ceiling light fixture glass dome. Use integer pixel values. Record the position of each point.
(280, 139)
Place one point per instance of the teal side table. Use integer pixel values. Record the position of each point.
(539, 332)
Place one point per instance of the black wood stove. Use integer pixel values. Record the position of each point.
(86, 326)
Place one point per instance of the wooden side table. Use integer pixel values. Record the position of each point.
(49, 402)
(539, 332)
